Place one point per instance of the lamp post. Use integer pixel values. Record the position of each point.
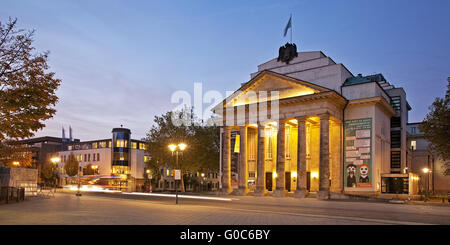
(427, 171)
(177, 149)
(16, 163)
(56, 160)
(95, 168)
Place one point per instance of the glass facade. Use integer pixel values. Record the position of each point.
(121, 150)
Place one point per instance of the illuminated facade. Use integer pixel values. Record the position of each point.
(118, 156)
(310, 126)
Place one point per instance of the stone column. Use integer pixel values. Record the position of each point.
(226, 178)
(281, 155)
(336, 164)
(324, 162)
(301, 159)
(243, 166)
(260, 168)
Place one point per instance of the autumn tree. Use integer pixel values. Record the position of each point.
(27, 89)
(436, 127)
(202, 152)
(71, 165)
(49, 173)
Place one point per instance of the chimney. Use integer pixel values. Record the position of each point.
(63, 135)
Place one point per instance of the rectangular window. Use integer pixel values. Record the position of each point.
(396, 139)
(396, 122)
(134, 145)
(269, 141)
(142, 146)
(413, 145)
(396, 103)
(98, 156)
(121, 143)
(89, 157)
(396, 159)
(94, 145)
(102, 144)
(93, 157)
(287, 144)
(251, 146)
(85, 158)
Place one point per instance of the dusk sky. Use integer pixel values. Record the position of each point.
(120, 61)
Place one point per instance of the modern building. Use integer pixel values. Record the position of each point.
(429, 166)
(120, 160)
(41, 147)
(310, 126)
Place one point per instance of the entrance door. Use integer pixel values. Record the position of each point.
(308, 181)
(269, 181)
(287, 181)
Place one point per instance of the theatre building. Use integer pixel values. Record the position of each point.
(308, 125)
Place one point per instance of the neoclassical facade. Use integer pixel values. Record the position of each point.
(309, 126)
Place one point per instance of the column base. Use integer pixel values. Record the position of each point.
(241, 191)
(280, 193)
(301, 193)
(323, 195)
(260, 192)
(226, 191)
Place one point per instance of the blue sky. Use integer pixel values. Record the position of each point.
(120, 61)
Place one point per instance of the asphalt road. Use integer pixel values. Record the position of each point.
(67, 209)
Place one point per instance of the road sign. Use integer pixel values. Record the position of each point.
(177, 174)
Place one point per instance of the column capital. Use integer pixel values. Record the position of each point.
(302, 118)
(324, 116)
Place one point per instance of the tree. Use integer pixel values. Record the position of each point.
(27, 90)
(202, 153)
(11, 152)
(71, 165)
(436, 127)
(49, 173)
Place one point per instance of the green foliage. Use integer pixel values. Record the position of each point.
(49, 173)
(27, 91)
(202, 152)
(436, 127)
(71, 165)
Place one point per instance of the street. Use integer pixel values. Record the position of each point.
(119, 209)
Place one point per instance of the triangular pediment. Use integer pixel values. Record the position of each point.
(266, 85)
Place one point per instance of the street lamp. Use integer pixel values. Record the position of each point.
(16, 163)
(427, 171)
(177, 149)
(95, 168)
(56, 160)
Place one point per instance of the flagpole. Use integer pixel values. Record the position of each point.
(291, 28)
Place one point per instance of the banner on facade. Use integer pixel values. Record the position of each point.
(358, 153)
(234, 159)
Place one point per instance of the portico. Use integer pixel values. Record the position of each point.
(287, 138)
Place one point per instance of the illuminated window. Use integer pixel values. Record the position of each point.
(269, 143)
(94, 145)
(102, 144)
(167, 172)
(134, 145)
(413, 145)
(287, 143)
(142, 146)
(308, 140)
(252, 146)
(121, 143)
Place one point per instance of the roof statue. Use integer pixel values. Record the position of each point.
(287, 52)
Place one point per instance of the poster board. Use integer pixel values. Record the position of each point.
(358, 153)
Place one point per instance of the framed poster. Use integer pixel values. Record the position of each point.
(358, 153)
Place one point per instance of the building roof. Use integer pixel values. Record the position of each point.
(364, 79)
